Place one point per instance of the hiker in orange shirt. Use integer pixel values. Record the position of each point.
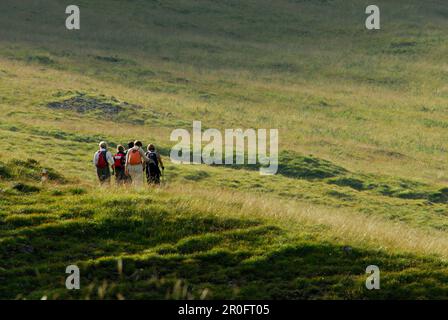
(135, 160)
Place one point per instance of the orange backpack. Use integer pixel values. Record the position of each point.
(135, 157)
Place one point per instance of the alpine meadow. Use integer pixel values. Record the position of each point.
(362, 177)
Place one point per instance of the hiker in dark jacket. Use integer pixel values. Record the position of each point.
(153, 165)
(119, 165)
(102, 160)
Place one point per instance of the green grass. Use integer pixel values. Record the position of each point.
(143, 244)
(362, 121)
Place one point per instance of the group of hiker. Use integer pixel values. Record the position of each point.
(128, 164)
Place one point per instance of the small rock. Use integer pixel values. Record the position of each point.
(347, 249)
(27, 249)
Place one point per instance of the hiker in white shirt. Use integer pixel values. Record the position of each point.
(103, 160)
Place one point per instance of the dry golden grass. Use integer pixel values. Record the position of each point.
(350, 227)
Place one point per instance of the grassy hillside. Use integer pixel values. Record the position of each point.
(362, 175)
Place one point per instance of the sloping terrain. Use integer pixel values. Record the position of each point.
(362, 164)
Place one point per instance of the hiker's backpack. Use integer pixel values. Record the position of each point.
(153, 164)
(102, 161)
(153, 157)
(134, 157)
(119, 160)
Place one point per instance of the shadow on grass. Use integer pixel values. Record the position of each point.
(73, 240)
(230, 258)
